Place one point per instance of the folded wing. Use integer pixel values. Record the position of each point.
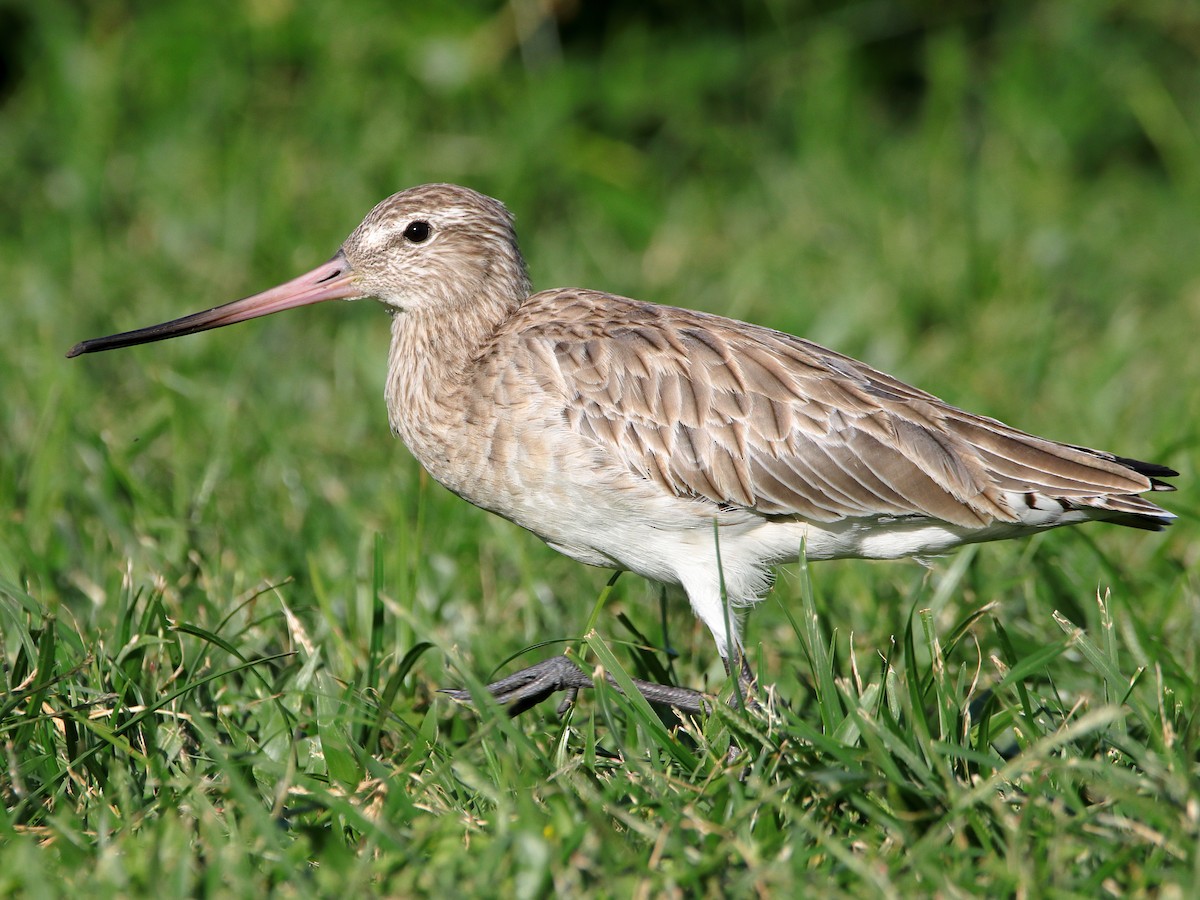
(748, 417)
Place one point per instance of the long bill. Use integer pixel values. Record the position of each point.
(334, 280)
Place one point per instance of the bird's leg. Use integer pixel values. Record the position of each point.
(525, 689)
(745, 690)
(744, 697)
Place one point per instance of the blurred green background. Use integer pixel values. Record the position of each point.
(999, 202)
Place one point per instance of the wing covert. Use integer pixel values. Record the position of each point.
(748, 417)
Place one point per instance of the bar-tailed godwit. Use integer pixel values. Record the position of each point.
(655, 439)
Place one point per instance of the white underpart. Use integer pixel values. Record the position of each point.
(688, 557)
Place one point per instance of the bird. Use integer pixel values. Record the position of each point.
(692, 449)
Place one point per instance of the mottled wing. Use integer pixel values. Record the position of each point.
(753, 418)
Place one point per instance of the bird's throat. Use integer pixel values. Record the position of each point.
(433, 361)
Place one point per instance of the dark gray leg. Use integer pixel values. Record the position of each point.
(744, 697)
(747, 683)
(531, 686)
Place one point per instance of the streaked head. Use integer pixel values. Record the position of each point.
(427, 248)
(438, 244)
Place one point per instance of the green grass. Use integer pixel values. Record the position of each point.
(227, 595)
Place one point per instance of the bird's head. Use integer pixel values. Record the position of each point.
(436, 246)
(433, 248)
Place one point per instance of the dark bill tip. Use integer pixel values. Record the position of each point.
(332, 281)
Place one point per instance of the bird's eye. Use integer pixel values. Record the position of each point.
(417, 232)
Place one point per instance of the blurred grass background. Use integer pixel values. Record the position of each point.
(995, 201)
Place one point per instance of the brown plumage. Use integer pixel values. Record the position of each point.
(620, 431)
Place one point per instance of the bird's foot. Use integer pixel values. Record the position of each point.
(529, 687)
